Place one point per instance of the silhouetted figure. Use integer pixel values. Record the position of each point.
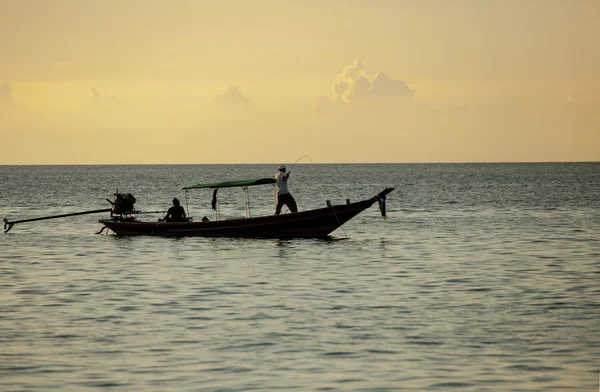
(176, 213)
(284, 197)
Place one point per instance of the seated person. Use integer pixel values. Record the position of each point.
(176, 213)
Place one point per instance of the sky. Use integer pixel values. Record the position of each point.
(193, 82)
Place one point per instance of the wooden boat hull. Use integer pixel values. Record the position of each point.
(316, 223)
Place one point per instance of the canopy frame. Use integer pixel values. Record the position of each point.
(215, 186)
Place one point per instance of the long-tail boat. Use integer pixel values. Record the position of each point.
(316, 223)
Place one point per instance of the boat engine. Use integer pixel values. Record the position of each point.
(123, 204)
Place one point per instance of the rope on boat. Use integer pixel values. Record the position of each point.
(186, 203)
(338, 221)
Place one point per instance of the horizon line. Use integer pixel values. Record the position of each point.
(313, 163)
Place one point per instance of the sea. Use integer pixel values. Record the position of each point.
(483, 277)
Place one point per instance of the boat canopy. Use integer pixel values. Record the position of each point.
(231, 184)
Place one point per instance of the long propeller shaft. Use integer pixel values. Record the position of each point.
(8, 225)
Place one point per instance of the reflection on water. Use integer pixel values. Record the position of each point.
(494, 291)
(283, 248)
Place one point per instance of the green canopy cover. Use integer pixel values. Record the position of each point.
(231, 184)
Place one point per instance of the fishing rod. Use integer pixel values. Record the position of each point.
(8, 225)
(298, 160)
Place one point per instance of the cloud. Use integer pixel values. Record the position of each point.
(347, 80)
(353, 84)
(355, 91)
(6, 98)
(383, 86)
(232, 97)
(97, 97)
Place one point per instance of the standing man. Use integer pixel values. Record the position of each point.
(284, 197)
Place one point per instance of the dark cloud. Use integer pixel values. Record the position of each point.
(385, 87)
(327, 107)
(6, 98)
(232, 97)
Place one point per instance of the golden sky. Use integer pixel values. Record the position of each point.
(148, 81)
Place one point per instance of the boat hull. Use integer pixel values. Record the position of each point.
(316, 223)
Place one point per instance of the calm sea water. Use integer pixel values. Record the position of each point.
(485, 277)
